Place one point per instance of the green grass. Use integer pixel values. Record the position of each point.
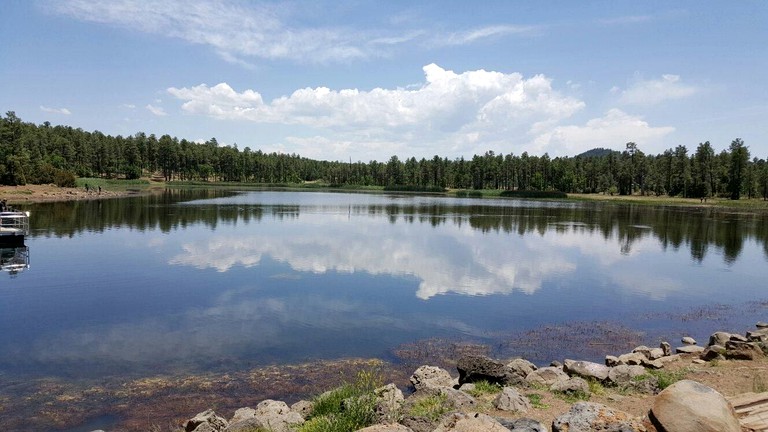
(596, 387)
(484, 388)
(431, 407)
(536, 402)
(667, 378)
(758, 384)
(348, 407)
(111, 184)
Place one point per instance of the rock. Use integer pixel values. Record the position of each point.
(743, 351)
(739, 338)
(669, 358)
(631, 359)
(521, 367)
(687, 340)
(586, 369)
(557, 364)
(713, 352)
(644, 350)
(571, 386)
(666, 347)
(389, 401)
(467, 387)
(470, 422)
(391, 427)
(242, 414)
(698, 361)
(624, 374)
(719, 338)
(654, 364)
(457, 398)
(511, 400)
(590, 416)
(272, 415)
(689, 349)
(761, 324)
(611, 361)
(688, 406)
(418, 424)
(427, 377)
(545, 376)
(522, 424)
(760, 335)
(656, 353)
(473, 368)
(205, 421)
(304, 408)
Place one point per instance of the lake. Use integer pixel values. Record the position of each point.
(219, 282)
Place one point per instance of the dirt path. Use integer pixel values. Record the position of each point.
(28, 194)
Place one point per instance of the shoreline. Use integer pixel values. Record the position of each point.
(34, 194)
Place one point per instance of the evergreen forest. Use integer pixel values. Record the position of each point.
(43, 154)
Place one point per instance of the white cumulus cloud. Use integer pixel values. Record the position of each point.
(50, 110)
(652, 92)
(612, 130)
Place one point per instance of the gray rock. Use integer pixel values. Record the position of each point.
(656, 353)
(556, 364)
(760, 335)
(743, 351)
(644, 350)
(391, 427)
(689, 349)
(457, 398)
(272, 415)
(590, 417)
(761, 324)
(473, 368)
(669, 359)
(521, 367)
(653, 364)
(389, 402)
(427, 377)
(586, 369)
(611, 361)
(303, 407)
(546, 376)
(418, 424)
(666, 347)
(571, 386)
(713, 352)
(242, 414)
(719, 338)
(624, 374)
(687, 340)
(522, 424)
(470, 422)
(739, 338)
(468, 387)
(206, 420)
(511, 400)
(688, 406)
(631, 359)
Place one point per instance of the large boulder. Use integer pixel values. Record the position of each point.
(590, 417)
(511, 400)
(688, 406)
(206, 421)
(719, 338)
(760, 335)
(429, 377)
(272, 415)
(457, 398)
(473, 368)
(689, 349)
(634, 358)
(470, 422)
(585, 369)
(713, 352)
(303, 407)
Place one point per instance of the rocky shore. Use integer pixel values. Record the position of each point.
(494, 395)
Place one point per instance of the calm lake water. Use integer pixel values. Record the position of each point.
(202, 280)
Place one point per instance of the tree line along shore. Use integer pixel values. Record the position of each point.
(47, 154)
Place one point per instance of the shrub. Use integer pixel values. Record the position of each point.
(431, 407)
(64, 178)
(484, 387)
(533, 194)
(349, 407)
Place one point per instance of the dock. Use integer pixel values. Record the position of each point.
(752, 410)
(14, 226)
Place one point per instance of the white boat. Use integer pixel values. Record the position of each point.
(14, 225)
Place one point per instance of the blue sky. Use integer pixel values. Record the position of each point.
(366, 80)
